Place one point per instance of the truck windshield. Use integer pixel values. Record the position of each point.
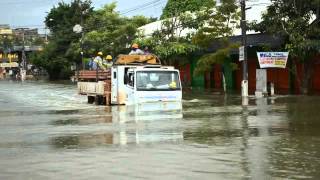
(158, 81)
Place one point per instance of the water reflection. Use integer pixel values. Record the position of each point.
(249, 130)
(148, 112)
(142, 123)
(82, 141)
(296, 155)
(83, 121)
(55, 134)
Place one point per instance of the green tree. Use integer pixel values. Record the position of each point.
(59, 54)
(174, 8)
(103, 30)
(217, 25)
(6, 42)
(190, 26)
(168, 42)
(57, 65)
(109, 32)
(172, 42)
(299, 22)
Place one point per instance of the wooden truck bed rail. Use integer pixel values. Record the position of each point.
(92, 75)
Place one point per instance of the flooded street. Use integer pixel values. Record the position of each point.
(47, 131)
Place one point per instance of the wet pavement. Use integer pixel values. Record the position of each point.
(47, 131)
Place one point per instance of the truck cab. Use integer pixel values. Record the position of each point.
(140, 84)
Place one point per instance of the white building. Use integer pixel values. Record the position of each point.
(257, 7)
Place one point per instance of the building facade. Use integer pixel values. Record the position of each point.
(286, 81)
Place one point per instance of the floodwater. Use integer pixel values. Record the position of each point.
(47, 131)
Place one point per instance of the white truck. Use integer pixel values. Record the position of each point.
(133, 79)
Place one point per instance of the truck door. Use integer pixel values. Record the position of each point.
(114, 85)
(130, 86)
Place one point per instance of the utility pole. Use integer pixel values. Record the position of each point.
(23, 51)
(24, 59)
(46, 35)
(244, 84)
(82, 36)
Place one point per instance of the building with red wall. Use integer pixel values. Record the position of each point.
(286, 81)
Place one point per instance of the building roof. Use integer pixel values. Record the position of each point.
(4, 26)
(26, 31)
(5, 31)
(260, 39)
(28, 48)
(254, 13)
(253, 40)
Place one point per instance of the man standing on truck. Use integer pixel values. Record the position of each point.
(109, 62)
(98, 61)
(146, 50)
(135, 50)
(90, 63)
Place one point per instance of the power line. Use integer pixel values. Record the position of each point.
(253, 3)
(147, 7)
(151, 4)
(101, 24)
(259, 4)
(31, 25)
(143, 6)
(23, 2)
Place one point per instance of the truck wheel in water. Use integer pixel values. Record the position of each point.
(90, 99)
(98, 100)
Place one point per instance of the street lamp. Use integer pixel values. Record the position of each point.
(83, 12)
(79, 29)
(45, 31)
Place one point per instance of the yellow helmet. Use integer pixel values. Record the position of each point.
(100, 53)
(135, 45)
(109, 57)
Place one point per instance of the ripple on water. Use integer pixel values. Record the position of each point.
(47, 131)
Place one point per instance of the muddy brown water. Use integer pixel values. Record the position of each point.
(47, 131)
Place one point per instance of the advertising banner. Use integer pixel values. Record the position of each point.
(241, 53)
(5, 31)
(273, 59)
(8, 57)
(9, 65)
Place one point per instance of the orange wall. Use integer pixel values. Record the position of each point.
(217, 76)
(185, 74)
(252, 65)
(280, 78)
(316, 76)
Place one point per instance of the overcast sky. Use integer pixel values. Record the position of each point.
(31, 13)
